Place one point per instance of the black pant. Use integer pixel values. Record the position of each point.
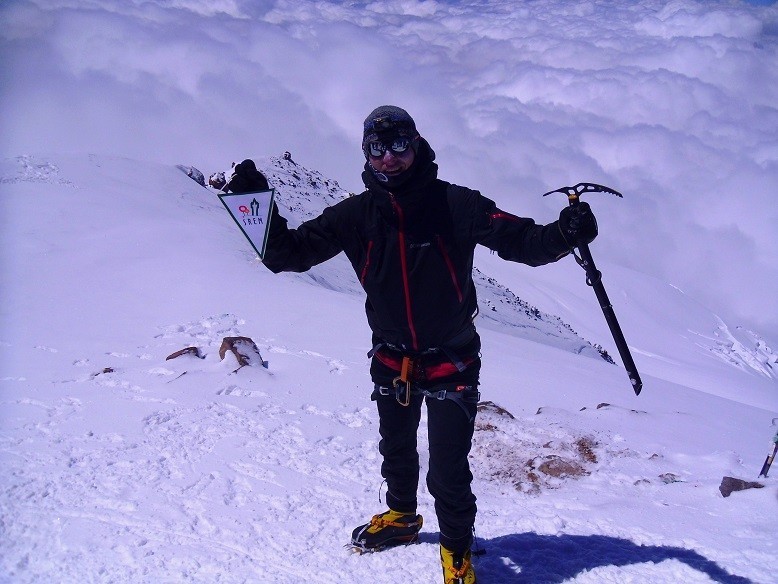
(450, 430)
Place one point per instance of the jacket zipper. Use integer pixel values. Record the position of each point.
(367, 263)
(404, 268)
(450, 266)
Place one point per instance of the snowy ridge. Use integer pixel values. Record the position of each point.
(743, 349)
(499, 306)
(120, 465)
(304, 193)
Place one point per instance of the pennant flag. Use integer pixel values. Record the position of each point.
(251, 212)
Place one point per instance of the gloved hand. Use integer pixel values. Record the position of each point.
(246, 178)
(577, 224)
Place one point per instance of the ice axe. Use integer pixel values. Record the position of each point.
(594, 279)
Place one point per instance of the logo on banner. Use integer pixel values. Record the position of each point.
(251, 216)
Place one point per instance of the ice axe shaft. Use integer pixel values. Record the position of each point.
(594, 279)
(770, 457)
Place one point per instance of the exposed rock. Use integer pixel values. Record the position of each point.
(188, 351)
(559, 467)
(217, 180)
(585, 447)
(192, 173)
(245, 351)
(489, 406)
(730, 484)
(669, 478)
(606, 405)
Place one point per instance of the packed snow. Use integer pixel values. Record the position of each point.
(120, 465)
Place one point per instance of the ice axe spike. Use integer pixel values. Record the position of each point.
(594, 279)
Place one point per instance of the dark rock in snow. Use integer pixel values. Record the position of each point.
(730, 484)
(559, 467)
(217, 180)
(188, 351)
(668, 478)
(493, 407)
(245, 351)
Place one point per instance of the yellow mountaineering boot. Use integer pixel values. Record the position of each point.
(387, 529)
(457, 568)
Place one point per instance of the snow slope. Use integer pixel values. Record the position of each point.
(122, 466)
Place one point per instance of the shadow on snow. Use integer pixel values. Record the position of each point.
(547, 559)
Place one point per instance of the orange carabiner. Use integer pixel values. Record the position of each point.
(404, 377)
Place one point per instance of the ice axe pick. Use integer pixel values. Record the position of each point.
(594, 279)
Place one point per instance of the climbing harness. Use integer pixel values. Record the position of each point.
(461, 394)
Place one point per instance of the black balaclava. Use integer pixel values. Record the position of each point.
(385, 124)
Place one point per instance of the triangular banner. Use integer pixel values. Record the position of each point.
(251, 212)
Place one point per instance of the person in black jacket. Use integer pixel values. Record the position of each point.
(410, 238)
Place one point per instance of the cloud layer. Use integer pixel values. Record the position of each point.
(671, 102)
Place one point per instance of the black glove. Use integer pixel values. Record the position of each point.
(246, 178)
(577, 224)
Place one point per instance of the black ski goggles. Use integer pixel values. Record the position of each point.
(377, 149)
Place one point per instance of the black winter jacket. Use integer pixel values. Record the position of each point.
(412, 250)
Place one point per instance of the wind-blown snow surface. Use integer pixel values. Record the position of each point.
(120, 466)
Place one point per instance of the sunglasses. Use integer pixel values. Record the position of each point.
(377, 149)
